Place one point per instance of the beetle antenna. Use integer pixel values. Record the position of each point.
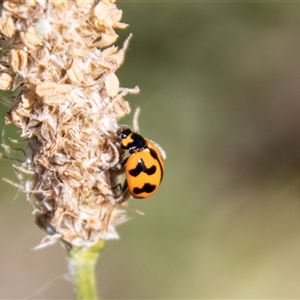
(136, 119)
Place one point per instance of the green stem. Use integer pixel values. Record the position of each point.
(82, 263)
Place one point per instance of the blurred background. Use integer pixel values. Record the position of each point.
(220, 92)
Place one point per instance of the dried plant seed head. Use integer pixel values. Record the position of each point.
(60, 55)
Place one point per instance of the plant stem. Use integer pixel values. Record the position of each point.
(82, 262)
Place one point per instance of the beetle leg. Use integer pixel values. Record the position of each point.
(125, 191)
(124, 187)
(120, 166)
(124, 161)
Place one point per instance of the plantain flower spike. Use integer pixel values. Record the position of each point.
(60, 56)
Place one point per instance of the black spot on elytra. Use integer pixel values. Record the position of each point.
(147, 188)
(141, 167)
(155, 156)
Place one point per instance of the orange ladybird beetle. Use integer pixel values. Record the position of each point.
(144, 167)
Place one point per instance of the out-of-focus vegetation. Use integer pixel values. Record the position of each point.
(220, 91)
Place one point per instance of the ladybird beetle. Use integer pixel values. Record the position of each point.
(144, 167)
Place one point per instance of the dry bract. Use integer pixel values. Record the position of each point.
(31, 39)
(33, 80)
(75, 73)
(61, 4)
(28, 99)
(112, 85)
(14, 7)
(107, 39)
(17, 59)
(108, 15)
(7, 27)
(6, 81)
(51, 88)
(68, 113)
(25, 9)
(121, 108)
